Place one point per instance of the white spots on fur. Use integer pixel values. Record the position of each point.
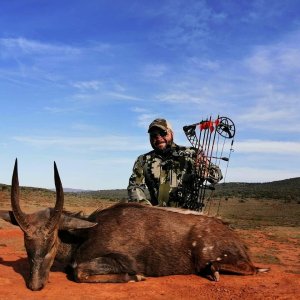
(208, 230)
(225, 255)
(194, 243)
(205, 249)
(218, 259)
(199, 236)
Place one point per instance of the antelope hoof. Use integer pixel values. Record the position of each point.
(138, 278)
(216, 276)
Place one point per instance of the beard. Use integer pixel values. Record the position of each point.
(163, 151)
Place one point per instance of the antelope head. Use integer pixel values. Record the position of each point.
(40, 232)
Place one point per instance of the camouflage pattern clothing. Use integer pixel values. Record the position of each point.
(165, 176)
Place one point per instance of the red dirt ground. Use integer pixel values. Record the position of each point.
(282, 282)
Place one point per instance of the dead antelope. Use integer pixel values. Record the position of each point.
(126, 242)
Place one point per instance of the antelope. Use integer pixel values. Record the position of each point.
(126, 242)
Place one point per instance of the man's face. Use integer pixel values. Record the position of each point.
(160, 139)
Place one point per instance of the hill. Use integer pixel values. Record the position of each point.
(287, 190)
(242, 204)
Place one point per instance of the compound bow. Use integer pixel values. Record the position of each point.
(207, 143)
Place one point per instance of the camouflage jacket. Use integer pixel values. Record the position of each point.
(165, 176)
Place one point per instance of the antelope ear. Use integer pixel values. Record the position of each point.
(8, 216)
(71, 223)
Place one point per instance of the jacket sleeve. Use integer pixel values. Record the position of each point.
(214, 173)
(136, 187)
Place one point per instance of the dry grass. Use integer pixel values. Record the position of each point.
(254, 213)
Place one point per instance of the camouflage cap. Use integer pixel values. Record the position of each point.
(160, 123)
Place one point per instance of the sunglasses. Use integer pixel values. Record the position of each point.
(156, 133)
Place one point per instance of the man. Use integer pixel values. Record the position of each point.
(168, 170)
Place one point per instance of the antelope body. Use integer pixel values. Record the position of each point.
(126, 242)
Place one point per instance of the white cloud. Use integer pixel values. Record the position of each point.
(260, 62)
(56, 110)
(258, 174)
(269, 147)
(83, 127)
(185, 23)
(272, 109)
(263, 114)
(88, 85)
(103, 143)
(154, 70)
(103, 96)
(23, 46)
(145, 119)
(204, 64)
(139, 109)
(276, 59)
(101, 47)
(182, 97)
(122, 96)
(86, 97)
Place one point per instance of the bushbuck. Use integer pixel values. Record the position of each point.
(126, 242)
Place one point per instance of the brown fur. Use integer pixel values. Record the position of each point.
(157, 242)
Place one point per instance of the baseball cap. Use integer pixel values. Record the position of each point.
(160, 123)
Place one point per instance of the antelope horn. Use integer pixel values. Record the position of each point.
(56, 213)
(20, 217)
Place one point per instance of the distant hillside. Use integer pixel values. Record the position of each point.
(288, 190)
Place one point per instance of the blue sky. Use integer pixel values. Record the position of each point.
(81, 80)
